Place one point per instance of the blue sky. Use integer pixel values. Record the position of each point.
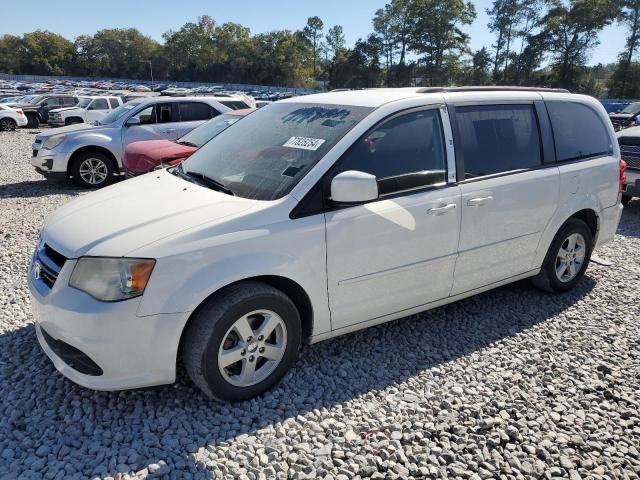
(75, 17)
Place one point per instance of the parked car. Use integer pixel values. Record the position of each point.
(92, 154)
(11, 118)
(319, 216)
(629, 142)
(626, 117)
(37, 107)
(87, 110)
(143, 157)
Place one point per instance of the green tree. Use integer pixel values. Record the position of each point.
(313, 32)
(629, 17)
(44, 53)
(335, 39)
(9, 53)
(570, 32)
(481, 68)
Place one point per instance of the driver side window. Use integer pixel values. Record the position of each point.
(147, 116)
(404, 152)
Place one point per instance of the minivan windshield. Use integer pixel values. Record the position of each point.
(118, 112)
(266, 154)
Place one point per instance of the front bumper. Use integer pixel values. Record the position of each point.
(49, 161)
(130, 351)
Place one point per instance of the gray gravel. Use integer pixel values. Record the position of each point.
(510, 384)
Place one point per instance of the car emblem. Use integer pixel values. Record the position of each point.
(37, 268)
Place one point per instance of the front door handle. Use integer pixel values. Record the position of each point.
(478, 202)
(169, 130)
(442, 209)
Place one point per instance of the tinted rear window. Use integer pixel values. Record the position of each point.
(234, 104)
(578, 131)
(498, 138)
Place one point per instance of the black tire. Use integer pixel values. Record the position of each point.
(32, 121)
(208, 328)
(7, 125)
(73, 121)
(547, 279)
(103, 164)
(625, 199)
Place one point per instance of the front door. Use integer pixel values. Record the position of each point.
(397, 252)
(508, 197)
(96, 110)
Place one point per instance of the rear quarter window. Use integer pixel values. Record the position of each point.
(578, 131)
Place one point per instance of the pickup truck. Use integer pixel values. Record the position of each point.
(37, 107)
(88, 110)
(629, 141)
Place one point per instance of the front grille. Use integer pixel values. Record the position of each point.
(631, 155)
(50, 263)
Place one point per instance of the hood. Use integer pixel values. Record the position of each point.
(134, 213)
(160, 150)
(23, 106)
(620, 116)
(78, 127)
(632, 132)
(64, 109)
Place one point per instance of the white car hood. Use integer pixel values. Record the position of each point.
(135, 213)
(64, 109)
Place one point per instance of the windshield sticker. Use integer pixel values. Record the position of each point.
(304, 143)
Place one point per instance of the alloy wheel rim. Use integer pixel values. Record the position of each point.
(93, 171)
(570, 258)
(252, 348)
(6, 124)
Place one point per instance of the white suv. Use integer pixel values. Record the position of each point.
(87, 110)
(318, 216)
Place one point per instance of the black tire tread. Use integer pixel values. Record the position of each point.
(198, 328)
(543, 280)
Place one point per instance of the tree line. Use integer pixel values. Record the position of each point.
(536, 43)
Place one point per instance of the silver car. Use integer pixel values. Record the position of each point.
(92, 154)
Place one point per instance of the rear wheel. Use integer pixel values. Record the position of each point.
(93, 170)
(241, 342)
(32, 121)
(7, 125)
(625, 199)
(567, 259)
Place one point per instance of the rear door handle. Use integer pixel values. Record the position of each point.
(478, 202)
(442, 209)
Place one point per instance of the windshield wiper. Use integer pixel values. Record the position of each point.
(212, 183)
(188, 144)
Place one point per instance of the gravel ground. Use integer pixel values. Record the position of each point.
(510, 384)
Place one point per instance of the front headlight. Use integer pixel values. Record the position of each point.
(111, 279)
(53, 142)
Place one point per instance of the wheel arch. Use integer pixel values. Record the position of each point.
(69, 120)
(291, 288)
(92, 148)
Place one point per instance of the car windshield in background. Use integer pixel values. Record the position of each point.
(205, 132)
(118, 112)
(83, 102)
(632, 108)
(265, 156)
(30, 98)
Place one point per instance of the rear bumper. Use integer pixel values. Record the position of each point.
(609, 220)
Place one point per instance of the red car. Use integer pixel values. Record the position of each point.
(143, 157)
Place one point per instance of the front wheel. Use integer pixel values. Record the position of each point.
(93, 170)
(567, 259)
(242, 341)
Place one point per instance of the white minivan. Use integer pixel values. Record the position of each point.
(317, 216)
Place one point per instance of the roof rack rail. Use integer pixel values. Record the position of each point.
(491, 89)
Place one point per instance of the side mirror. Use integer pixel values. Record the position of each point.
(354, 187)
(133, 121)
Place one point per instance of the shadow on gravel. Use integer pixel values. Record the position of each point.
(96, 433)
(38, 188)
